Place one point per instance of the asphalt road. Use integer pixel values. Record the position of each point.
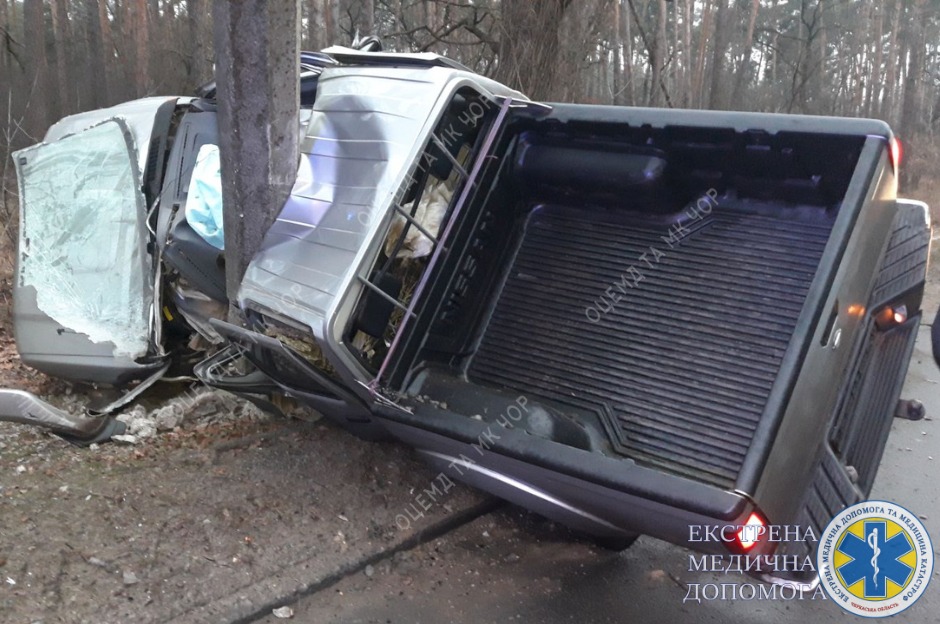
(509, 566)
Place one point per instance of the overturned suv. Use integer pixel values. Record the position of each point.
(633, 321)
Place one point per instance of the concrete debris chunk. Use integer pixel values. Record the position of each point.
(139, 424)
(201, 405)
(168, 417)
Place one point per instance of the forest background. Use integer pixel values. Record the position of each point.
(851, 58)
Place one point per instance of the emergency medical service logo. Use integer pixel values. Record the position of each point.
(875, 559)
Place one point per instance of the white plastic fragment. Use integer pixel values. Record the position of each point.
(283, 613)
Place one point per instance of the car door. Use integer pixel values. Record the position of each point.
(84, 293)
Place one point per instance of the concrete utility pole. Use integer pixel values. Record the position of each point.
(257, 60)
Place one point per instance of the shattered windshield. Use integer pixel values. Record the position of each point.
(80, 237)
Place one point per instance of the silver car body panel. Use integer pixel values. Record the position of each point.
(353, 56)
(139, 115)
(368, 129)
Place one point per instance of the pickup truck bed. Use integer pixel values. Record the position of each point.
(681, 367)
(691, 310)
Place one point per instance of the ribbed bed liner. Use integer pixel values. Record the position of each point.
(684, 362)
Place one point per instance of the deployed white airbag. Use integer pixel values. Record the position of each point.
(204, 199)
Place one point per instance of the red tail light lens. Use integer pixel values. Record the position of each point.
(896, 152)
(751, 532)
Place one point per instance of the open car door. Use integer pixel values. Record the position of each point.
(84, 292)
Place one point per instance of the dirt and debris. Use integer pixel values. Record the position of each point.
(211, 510)
(198, 404)
(207, 522)
(502, 561)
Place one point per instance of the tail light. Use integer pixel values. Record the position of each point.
(896, 152)
(750, 533)
(891, 316)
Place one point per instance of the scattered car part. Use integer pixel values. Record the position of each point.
(25, 408)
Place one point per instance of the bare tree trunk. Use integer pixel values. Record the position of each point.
(329, 25)
(909, 123)
(657, 48)
(6, 87)
(616, 65)
(891, 79)
(141, 33)
(315, 25)
(802, 68)
(875, 78)
(630, 97)
(687, 56)
(742, 73)
(4, 38)
(155, 39)
(715, 99)
(60, 28)
(674, 78)
(821, 72)
(257, 64)
(706, 33)
(200, 72)
(333, 26)
(529, 47)
(368, 18)
(92, 90)
(430, 15)
(104, 49)
(37, 90)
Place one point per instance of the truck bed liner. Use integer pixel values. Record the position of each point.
(682, 366)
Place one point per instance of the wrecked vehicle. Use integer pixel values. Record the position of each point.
(629, 320)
